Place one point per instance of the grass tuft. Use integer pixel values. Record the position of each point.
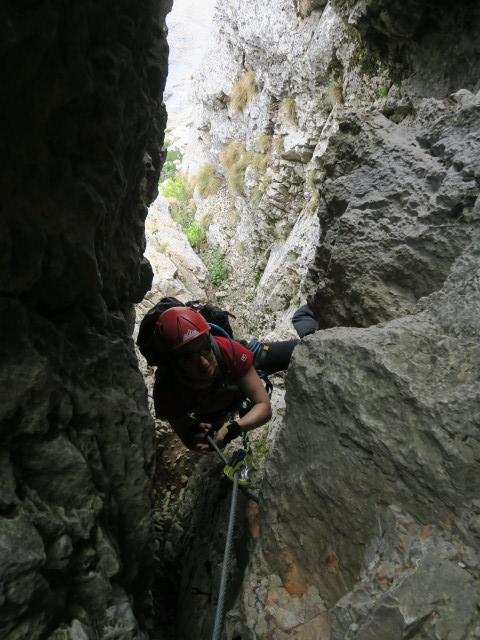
(235, 159)
(208, 181)
(264, 142)
(305, 8)
(289, 108)
(259, 161)
(243, 91)
(313, 203)
(278, 144)
(182, 210)
(333, 95)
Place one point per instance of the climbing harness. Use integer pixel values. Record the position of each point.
(235, 467)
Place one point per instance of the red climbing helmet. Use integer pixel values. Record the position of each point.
(177, 326)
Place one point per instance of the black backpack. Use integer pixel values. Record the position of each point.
(215, 316)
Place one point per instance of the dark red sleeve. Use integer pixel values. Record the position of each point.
(239, 365)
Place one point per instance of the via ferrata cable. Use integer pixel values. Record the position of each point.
(228, 544)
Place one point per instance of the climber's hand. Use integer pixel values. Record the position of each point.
(202, 430)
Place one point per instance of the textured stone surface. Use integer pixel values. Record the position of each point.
(93, 163)
(177, 269)
(371, 490)
(345, 62)
(411, 36)
(80, 443)
(272, 41)
(82, 126)
(370, 494)
(396, 209)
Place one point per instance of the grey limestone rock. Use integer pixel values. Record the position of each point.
(82, 130)
(369, 208)
(378, 417)
(396, 210)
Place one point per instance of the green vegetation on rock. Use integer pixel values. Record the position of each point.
(182, 209)
(289, 108)
(216, 264)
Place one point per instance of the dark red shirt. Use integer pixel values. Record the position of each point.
(174, 400)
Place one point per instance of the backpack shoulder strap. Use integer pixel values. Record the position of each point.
(224, 371)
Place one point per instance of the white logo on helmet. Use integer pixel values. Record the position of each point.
(190, 333)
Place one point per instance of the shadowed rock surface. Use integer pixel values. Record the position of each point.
(82, 129)
(368, 510)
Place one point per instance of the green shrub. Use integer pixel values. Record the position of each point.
(195, 235)
(381, 93)
(243, 91)
(216, 264)
(174, 158)
(175, 188)
(208, 180)
(182, 208)
(260, 450)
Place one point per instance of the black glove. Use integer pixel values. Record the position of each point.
(233, 431)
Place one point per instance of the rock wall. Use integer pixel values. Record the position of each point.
(371, 491)
(369, 208)
(82, 129)
(396, 209)
(337, 86)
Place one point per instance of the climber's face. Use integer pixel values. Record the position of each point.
(196, 359)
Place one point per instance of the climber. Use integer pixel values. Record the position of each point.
(205, 379)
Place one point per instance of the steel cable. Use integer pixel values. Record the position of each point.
(226, 562)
